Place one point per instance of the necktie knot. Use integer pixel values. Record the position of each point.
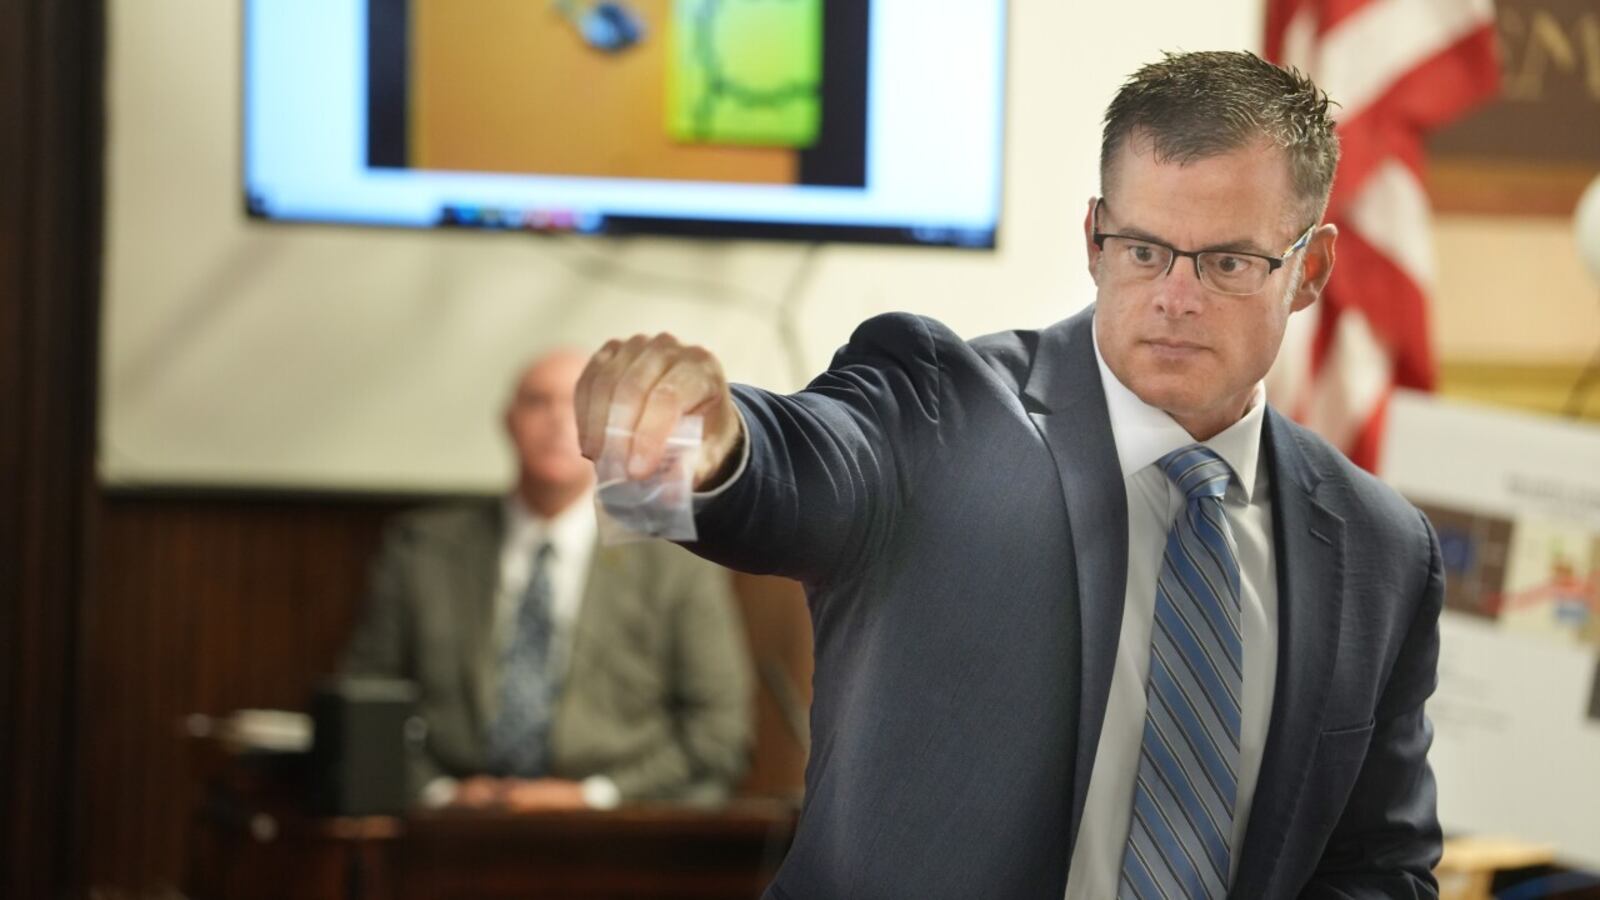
(1197, 471)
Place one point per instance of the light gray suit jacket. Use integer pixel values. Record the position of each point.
(657, 691)
(957, 513)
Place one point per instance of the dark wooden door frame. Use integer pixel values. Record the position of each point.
(52, 93)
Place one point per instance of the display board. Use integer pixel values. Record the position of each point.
(1515, 499)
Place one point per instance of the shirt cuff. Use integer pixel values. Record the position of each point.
(744, 462)
(438, 793)
(600, 792)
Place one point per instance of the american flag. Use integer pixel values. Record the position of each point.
(1397, 69)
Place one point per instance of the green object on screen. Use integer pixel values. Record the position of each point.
(745, 72)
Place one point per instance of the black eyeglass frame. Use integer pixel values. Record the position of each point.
(1274, 263)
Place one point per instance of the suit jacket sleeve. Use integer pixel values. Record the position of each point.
(383, 642)
(1387, 841)
(379, 646)
(829, 466)
(709, 696)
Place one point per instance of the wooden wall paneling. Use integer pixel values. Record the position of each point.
(779, 627)
(51, 137)
(207, 605)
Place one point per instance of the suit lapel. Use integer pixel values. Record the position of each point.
(601, 589)
(1076, 426)
(1309, 541)
(607, 590)
(478, 574)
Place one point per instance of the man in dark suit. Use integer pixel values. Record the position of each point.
(554, 672)
(1091, 618)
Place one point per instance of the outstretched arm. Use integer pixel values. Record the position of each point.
(828, 466)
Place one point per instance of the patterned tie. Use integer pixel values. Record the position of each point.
(1178, 842)
(519, 734)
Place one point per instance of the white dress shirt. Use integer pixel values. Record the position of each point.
(1143, 435)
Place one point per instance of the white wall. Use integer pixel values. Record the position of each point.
(305, 356)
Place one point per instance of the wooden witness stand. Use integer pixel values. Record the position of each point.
(641, 852)
(253, 837)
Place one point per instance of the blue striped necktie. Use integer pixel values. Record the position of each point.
(519, 734)
(1182, 824)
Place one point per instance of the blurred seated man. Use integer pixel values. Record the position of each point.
(555, 673)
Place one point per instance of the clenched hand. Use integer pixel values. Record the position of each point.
(652, 383)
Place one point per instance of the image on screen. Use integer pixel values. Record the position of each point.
(807, 119)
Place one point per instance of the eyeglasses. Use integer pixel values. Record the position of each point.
(1224, 271)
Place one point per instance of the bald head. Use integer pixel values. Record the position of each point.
(540, 421)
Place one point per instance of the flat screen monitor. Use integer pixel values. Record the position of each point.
(843, 120)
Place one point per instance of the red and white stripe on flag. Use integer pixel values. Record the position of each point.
(1397, 69)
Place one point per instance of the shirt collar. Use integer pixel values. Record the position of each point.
(568, 532)
(1143, 434)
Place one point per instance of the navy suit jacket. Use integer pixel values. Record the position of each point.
(956, 513)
